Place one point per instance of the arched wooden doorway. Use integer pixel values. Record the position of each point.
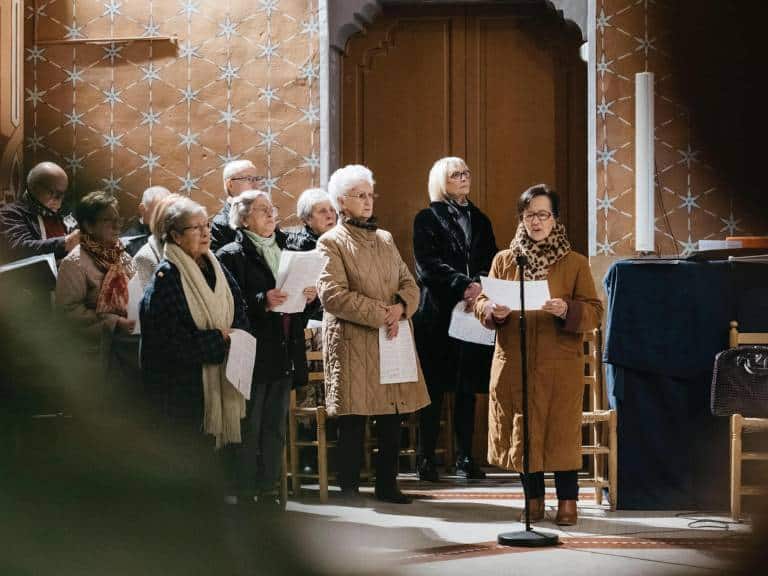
(501, 86)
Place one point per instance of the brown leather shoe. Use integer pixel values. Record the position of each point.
(536, 508)
(566, 513)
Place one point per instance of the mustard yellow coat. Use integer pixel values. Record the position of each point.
(555, 370)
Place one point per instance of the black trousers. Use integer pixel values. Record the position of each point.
(463, 423)
(566, 484)
(256, 464)
(350, 450)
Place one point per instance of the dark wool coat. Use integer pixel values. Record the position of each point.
(445, 266)
(278, 353)
(173, 349)
(555, 370)
(135, 236)
(221, 233)
(20, 235)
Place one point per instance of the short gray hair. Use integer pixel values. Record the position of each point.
(176, 214)
(308, 200)
(344, 179)
(44, 175)
(153, 194)
(232, 168)
(241, 206)
(438, 176)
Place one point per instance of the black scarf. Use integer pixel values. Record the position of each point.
(38, 208)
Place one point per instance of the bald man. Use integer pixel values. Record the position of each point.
(238, 176)
(34, 224)
(137, 233)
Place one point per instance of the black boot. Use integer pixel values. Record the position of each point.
(427, 470)
(467, 468)
(392, 494)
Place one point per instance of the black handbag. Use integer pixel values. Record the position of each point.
(740, 382)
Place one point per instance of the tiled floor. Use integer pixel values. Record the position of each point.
(451, 528)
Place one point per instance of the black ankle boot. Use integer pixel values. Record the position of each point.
(427, 470)
(467, 468)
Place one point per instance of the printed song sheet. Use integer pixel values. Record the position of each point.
(464, 326)
(135, 293)
(242, 357)
(397, 357)
(298, 270)
(507, 292)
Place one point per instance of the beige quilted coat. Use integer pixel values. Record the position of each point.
(363, 274)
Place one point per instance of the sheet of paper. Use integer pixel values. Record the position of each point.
(397, 357)
(242, 357)
(298, 270)
(465, 326)
(507, 292)
(49, 258)
(135, 294)
(313, 324)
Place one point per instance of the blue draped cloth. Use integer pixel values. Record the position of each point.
(666, 321)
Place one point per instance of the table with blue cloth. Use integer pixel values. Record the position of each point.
(666, 321)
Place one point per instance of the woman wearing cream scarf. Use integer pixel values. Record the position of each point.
(187, 314)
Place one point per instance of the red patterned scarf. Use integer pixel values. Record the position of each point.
(113, 295)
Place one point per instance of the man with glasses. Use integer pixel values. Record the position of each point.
(35, 224)
(238, 176)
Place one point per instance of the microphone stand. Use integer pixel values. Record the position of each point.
(528, 538)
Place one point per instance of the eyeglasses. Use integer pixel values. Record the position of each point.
(251, 179)
(271, 211)
(541, 216)
(200, 228)
(459, 174)
(115, 222)
(364, 196)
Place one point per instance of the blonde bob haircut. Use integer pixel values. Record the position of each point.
(438, 176)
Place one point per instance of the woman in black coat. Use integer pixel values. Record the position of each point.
(453, 245)
(253, 259)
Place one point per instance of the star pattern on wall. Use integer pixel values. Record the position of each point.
(691, 202)
(241, 82)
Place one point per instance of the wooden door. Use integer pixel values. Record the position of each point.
(500, 86)
(11, 98)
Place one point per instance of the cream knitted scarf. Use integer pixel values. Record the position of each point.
(211, 310)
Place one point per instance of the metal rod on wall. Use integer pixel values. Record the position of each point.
(116, 40)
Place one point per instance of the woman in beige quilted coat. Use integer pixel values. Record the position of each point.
(364, 286)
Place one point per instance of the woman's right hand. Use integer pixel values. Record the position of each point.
(275, 297)
(125, 326)
(498, 311)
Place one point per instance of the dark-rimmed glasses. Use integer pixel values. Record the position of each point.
(541, 216)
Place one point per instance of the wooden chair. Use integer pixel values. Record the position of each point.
(601, 440)
(740, 426)
(320, 443)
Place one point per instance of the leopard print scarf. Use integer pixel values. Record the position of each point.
(543, 254)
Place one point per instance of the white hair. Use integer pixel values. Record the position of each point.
(153, 194)
(232, 168)
(344, 179)
(307, 202)
(176, 214)
(438, 176)
(241, 206)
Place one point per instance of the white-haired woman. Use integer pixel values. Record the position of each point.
(453, 244)
(187, 313)
(365, 286)
(318, 215)
(253, 260)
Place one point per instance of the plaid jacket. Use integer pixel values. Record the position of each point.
(173, 349)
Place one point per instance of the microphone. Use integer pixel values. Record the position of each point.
(522, 260)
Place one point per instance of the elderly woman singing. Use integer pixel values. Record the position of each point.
(555, 366)
(187, 314)
(364, 286)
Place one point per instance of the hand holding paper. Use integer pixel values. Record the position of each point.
(298, 271)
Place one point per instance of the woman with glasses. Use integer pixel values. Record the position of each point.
(187, 314)
(453, 244)
(253, 260)
(92, 284)
(364, 287)
(555, 356)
